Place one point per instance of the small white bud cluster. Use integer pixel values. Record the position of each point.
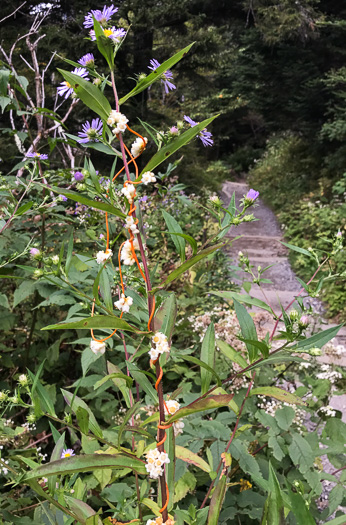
(126, 252)
(129, 191)
(97, 348)
(160, 346)
(328, 411)
(138, 146)
(117, 121)
(55, 259)
(102, 257)
(124, 303)
(148, 177)
(171, 406)
(155, 462)
(23, 380)
(130, 224)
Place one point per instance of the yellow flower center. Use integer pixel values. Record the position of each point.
(68, 84)
(67, 454)
(108, 32)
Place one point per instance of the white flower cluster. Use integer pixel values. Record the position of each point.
(3, 469)
(270, 406)
(102, 257)
(155, 462)
(138, 146)
(126, 252)
(171, 407)
(329, 373)
(41, 456)
(23, 380)
(328, 411)
(129, 191)
(117, 121)
(124, 303)
(97, 348)
(148, 177)
(131, 224)
(160, 346)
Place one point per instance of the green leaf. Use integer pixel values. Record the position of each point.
(301, 511)
(156, 75)
(188, 238)
(340, 520)
(216, 501)
(82, 510)
(274, 443)
(42, 394)
(251, 301)
(190, 262)
(69, 253)
(284, 417)
(119, 382)
(277, 393)
(105, 290)
(336, 497)
(170, 468)
(56, 454)
(174, 226)
(301, 453)
(143, 381)
(86, 463)
(297, 249)
(23, 208)
(187, 483)
(127, 417)
(176, 144)
(233, 355)
(207, 357)
(79, 403)
(4, 300)
(228, 217)
(190, 457)
(113, 376)
(104, 44)
(89, 94)
(209, 370)
(83, 419)
(247, 463)
(164, 320)
(207, 403)
(77, 197)
(317, 340)
(248, 329)
(98, 321)
(274, 505)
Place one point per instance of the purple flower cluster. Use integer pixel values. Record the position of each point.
(78, 176)
(91, 132)
(166, 77)
(204, 135)
(35, 155)
(101, 16)
(65, 89)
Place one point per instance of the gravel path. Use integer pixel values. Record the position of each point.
(261, 242)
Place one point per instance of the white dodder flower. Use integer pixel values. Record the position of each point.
(126, 252)
(147, 177)
(130, 224)
(101, 256)
(117, 121)
(97, 348)
(155, 462)
(138, 146)
(124, 303)
(171, 406)
(160, 345)
(23, 380)
(129, 191)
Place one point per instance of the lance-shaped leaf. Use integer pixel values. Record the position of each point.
(170, 467)
(164, 320)
(56, 454)
(86, 463)
(207, 357)
(119, 382)
(104, 44)
(277, 393)
(77, 197)
(207, 403)
(190, 262)
(75, 403)
(228, 217)
(88, 93)
(317, 340)
(251, 301)
(247, 327)
(298, 249)
(176, 144)
(187, 238)
(156, 75)
(98, 321)
(203, 366)
(190, 457)
(217, 501)
(233, 355)
(82, 510)
(174, 226)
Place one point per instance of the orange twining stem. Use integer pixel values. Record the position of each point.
(152, 313)
(167, 500)
(159, 378)
(107, 228)
(138, 135)
(159, 443)
(132, 159)
(164, 427)
(120, 272)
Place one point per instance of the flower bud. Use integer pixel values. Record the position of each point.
(23, 380)
(294, 315)
(97, 81)
(315, 351)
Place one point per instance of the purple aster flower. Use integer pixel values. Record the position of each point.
(65, 89)
(174, 130)
(143, 199)
(91, 132)
(166, 77)
(67, 453)
(112, 32)
(87, 60)
(35, 252)
(102, 236)
(35, 155)
(62, 197)
(101, 16)
(78, 176)
(204, 135)
(252, 195)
